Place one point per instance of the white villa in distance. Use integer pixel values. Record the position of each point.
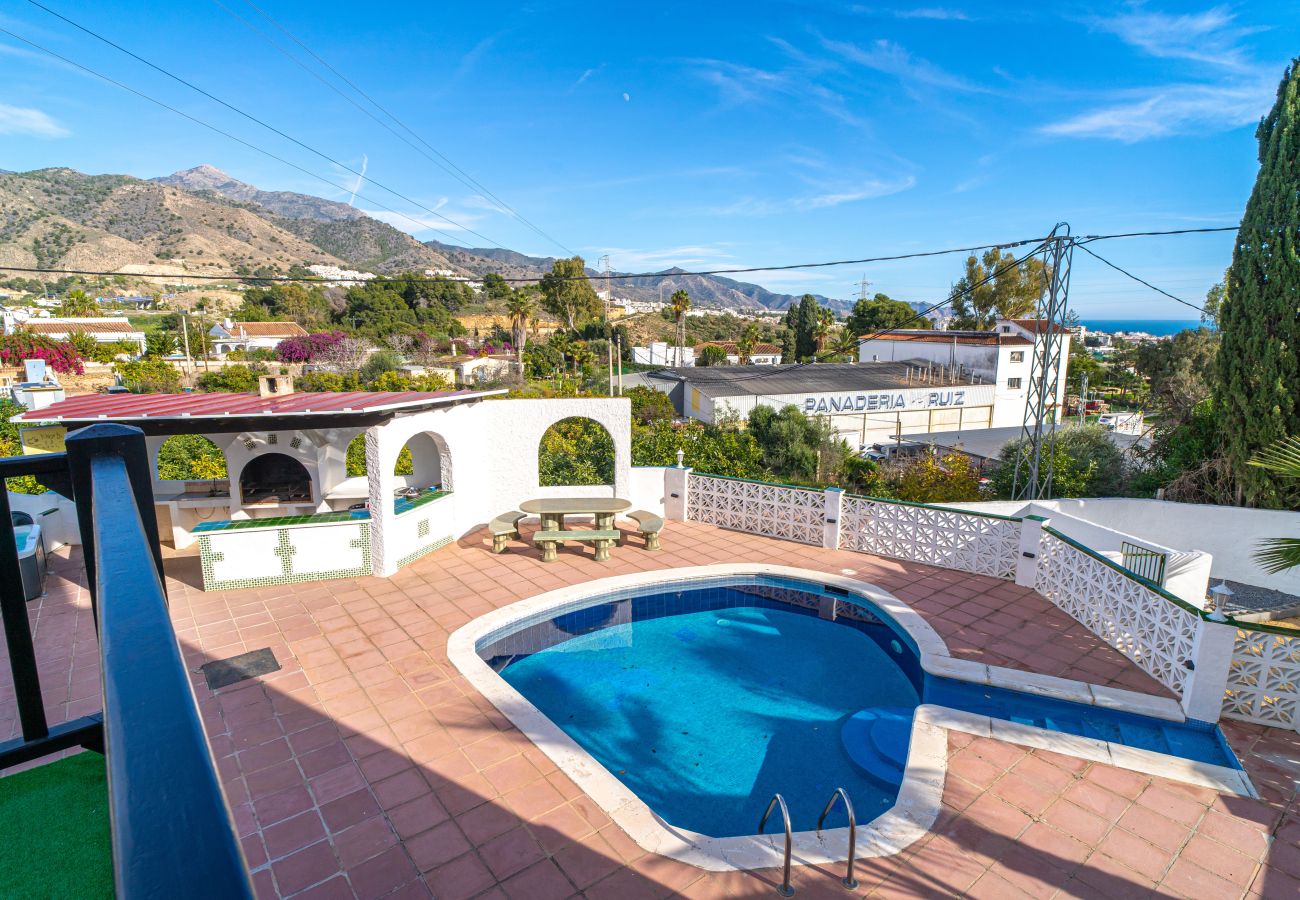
(101, 329)
(228, 335)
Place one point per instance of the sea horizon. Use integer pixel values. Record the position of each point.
(1156, 327)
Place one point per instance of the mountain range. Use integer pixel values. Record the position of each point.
(203, 219)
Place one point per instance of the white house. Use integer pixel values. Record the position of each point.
(759, 354)
(104, 330)
(228, 336)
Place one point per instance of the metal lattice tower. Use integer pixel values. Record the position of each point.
(1033, 476)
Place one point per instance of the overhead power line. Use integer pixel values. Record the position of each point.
(613, 276)
(783, 370)
(1084, 247)
(252, 118)
(438, 158)
(215, 130)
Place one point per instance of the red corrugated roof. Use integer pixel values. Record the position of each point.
(125, 407)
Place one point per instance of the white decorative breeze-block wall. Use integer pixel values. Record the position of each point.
(969, 542)
(1263, 684)
(775, 510)
(1155, 633)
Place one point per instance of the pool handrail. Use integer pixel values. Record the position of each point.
(784, 890)
(840, 794)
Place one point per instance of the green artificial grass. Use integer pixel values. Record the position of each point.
(54, 837)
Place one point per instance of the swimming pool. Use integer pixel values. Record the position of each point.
(703, 697)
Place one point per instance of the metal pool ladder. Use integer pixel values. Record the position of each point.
(785, 890)
(840, 794)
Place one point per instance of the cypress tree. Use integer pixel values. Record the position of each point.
(805, 342)
(788, 335)
(1257, 389)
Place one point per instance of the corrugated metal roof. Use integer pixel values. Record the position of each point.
(735, 381)
(977, 338)
(128, 407)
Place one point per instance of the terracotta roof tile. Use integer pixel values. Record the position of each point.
(269, 329)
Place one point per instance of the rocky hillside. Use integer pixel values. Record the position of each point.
(203, 219)
(711, 291)
(63, 219)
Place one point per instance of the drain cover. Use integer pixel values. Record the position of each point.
(223, 672)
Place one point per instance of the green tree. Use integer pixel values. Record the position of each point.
(1179, 371)
(805, 332)
(567, 294)
(1257, 386)
(159, 343)
(495, 287)
(78, 304)
(232, 379)
(305, 304)
(575, 451)
(790, 335)
(190, 457)
(149, 375)
(649, 405)
(712, 355)
(995, 287)
(796, 447)
(722, 449)
(378, 309)
(745, 344)
(824, 327)
(930, 478)
(1085, 463)
(879, 313)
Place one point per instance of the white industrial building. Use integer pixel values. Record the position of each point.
(865, 402)
(1002, 358)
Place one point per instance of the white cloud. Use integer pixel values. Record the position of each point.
(26, 120)
(892, 59)
(827, 197)
(1206, 37)
(418, 222)
(1169, 110)
(627, 259)
(936, 13)
(626, 96)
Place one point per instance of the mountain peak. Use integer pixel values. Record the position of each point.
(209, 178)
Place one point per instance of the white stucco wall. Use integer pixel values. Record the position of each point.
(1229, 535)
(648, 489)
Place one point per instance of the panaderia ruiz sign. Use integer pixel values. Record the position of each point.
(886, 401)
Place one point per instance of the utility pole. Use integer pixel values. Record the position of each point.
(620, 364)
(185, 335)
(603, 262)
(1083, 398)
(1033, 474)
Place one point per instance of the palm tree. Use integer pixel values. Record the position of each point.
(822, 331)
(745, 346)
(1282, 458)
(77, 304)
(521, 306)
(846, 344)
(680, 303)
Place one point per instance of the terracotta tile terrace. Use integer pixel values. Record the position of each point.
(367, 767)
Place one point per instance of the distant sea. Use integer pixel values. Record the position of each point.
(1157, 327)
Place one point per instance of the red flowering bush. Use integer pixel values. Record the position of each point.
(307, 348)
(58, 355)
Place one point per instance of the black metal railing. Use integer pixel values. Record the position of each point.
(172, 831)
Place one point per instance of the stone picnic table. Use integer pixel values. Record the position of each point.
(553, 510)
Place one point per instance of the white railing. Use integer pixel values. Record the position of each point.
(969, 542)
(1264, 677)
(776, 510)
(1151, 628)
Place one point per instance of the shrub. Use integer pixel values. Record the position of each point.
(308, 348)
(232, 379)
(58, 355)
(150, 375)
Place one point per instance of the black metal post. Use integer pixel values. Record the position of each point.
(127, 443)
(18, 631)
(172, 831)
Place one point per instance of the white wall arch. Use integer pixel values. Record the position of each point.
(244, 447)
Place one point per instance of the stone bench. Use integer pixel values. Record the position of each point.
(503, 528)
(649, 525)
(549, 540)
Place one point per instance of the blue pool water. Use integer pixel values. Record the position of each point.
(706, 701)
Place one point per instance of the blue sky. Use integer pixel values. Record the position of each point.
(706, 135)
